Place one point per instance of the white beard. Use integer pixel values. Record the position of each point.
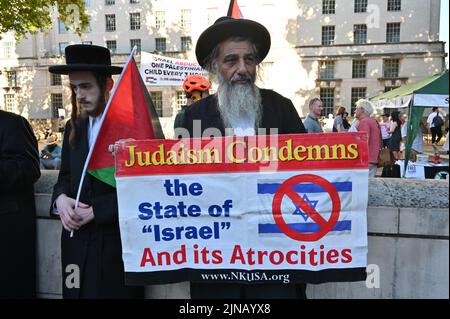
(239, 105)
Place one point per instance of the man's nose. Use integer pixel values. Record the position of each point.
(79, 94)
(242, 67)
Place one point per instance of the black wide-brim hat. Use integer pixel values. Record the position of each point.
(86, 57)
(227, 27)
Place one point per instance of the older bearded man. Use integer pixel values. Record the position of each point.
(232, 49)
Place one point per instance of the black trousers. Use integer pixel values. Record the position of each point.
(245, 291)
(436, 132)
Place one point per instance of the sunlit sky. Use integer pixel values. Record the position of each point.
(444, 24)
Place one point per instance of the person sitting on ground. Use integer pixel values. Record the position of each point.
(51, 154)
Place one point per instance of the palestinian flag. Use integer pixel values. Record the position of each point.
(129, 114)
(234, 11)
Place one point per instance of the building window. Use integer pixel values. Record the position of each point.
(328, 35)
(359, 69)
(328, 6)
(360, 34)
(56, 79)
(160, 19)
(212, 15)
(327, 97)
(157, 102)
(61, 27)
(110, 2)
(357, 94)
(391, 68)
(57, 103)
(62, 47)
(185, 21)
(186, 43)
(160, 44)
(134, 1)
(181, 101)
(390, 88)
(393, 32)
(111, 45)
(12, 78)
(360, 6)
(10, 103)
(110, 22)
(394, 5)
(135, 21)
(8, 49)
(137, 43)
(326, 70)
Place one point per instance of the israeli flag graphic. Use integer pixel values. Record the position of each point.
(316, 197)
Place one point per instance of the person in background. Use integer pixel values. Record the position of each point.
(366, 123)
(95, 246)
(232, 49)
(338, 125)
(396, 135)
(311, 123)
(19, 170)
(417, 145)
(385, 126)
(435, 125)
(51, 154)
(345, 122)
(196, 87)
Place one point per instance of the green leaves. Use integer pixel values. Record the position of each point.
(22, 16)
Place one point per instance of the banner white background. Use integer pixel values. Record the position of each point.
(160, 70)
(249, 210)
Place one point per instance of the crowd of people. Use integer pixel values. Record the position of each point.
(392, 127)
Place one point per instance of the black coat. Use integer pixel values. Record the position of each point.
(19, 169)
(278, 112)
(96, 247)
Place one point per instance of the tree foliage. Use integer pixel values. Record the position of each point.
(22, 16)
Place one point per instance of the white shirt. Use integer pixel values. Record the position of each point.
(244, 127)
(94, 127)
(417, 144)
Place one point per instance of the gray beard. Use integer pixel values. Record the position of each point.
(238, 104)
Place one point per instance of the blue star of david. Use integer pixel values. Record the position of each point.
(298, 211)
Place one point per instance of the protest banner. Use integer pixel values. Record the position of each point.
(158, 70)
(280, 209)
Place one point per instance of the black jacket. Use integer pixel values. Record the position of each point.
(96, 247)
(278, 112)
(19, 170)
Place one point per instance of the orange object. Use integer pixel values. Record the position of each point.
(196, 83)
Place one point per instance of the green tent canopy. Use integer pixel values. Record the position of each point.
(430, 92)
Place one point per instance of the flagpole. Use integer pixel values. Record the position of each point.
(88, 158)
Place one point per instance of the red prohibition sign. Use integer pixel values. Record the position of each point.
(287, 189)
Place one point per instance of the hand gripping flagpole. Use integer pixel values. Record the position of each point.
(88, 158)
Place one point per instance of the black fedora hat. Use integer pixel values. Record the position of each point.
(227, 27)
(86, 57)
